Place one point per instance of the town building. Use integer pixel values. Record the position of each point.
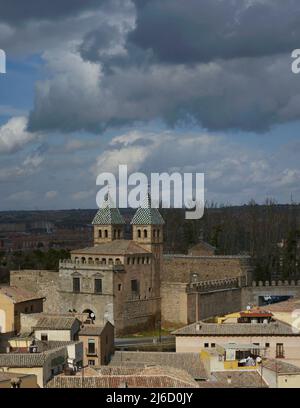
(13, 302)
(278, 339)
(42, 359)
(57, 328)
(279, 374)
(98, 343)
(17, 380)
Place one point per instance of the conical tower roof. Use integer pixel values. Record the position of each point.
(145, 215)
(108, 214)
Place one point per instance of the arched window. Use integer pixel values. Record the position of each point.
(119, 233)
(158, 231)
(145, 233)
(106, 233)
(128, 261)
(100, 233)
(83, 259)
(110, 261)
(97, 260)
(154, 233)
(103, 261)
(138, 260)
(90, 260)
(115, 234)
(133, 261)
(139, 233)
(118, 261)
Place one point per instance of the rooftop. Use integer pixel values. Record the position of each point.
(108, 214)
(91, 330)
(18, 295)
(56, 322)
(116, 247)
(145, 215)
(200, 328)
(244, 379)
(281, 367)
(189, 362)
(117, 377)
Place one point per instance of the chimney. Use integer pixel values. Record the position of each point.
(198, 326)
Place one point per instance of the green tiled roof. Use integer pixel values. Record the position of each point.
(145, 215)
(108, 214)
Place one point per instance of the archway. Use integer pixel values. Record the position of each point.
(91, 314)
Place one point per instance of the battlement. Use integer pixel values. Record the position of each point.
(276, 283)
(212, 285)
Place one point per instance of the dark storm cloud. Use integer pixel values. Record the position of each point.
(221, 64)
(192, 31)
(18, 11)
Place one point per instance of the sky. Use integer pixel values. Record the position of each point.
(160, 85)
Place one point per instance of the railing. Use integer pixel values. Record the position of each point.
(69, 263)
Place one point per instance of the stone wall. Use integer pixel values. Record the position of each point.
(44, 283)
(179, 268)
(213, 303)
(173, 304)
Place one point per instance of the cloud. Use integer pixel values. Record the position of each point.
(247, 94)
(50, 195)
(13, 135)
(232, 173)
(14, 13)
(205, 30)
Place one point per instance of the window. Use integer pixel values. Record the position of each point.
(139, 233)
(206, 345)
(100, 234)
(91, 362)
(98, 285)
(26, 309)
(145, 233)
(213, 345)
(115, 234)
(103, 261)
(128, 261)
(31, 308)
(105, 233)
(158, 231)
(119, 233)
(267, 345)
(279, 350)
(119, 287)
(76, 285)
(154, 233)
(135, 286)
(110, 261)
(91, 346)
(44, 337)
